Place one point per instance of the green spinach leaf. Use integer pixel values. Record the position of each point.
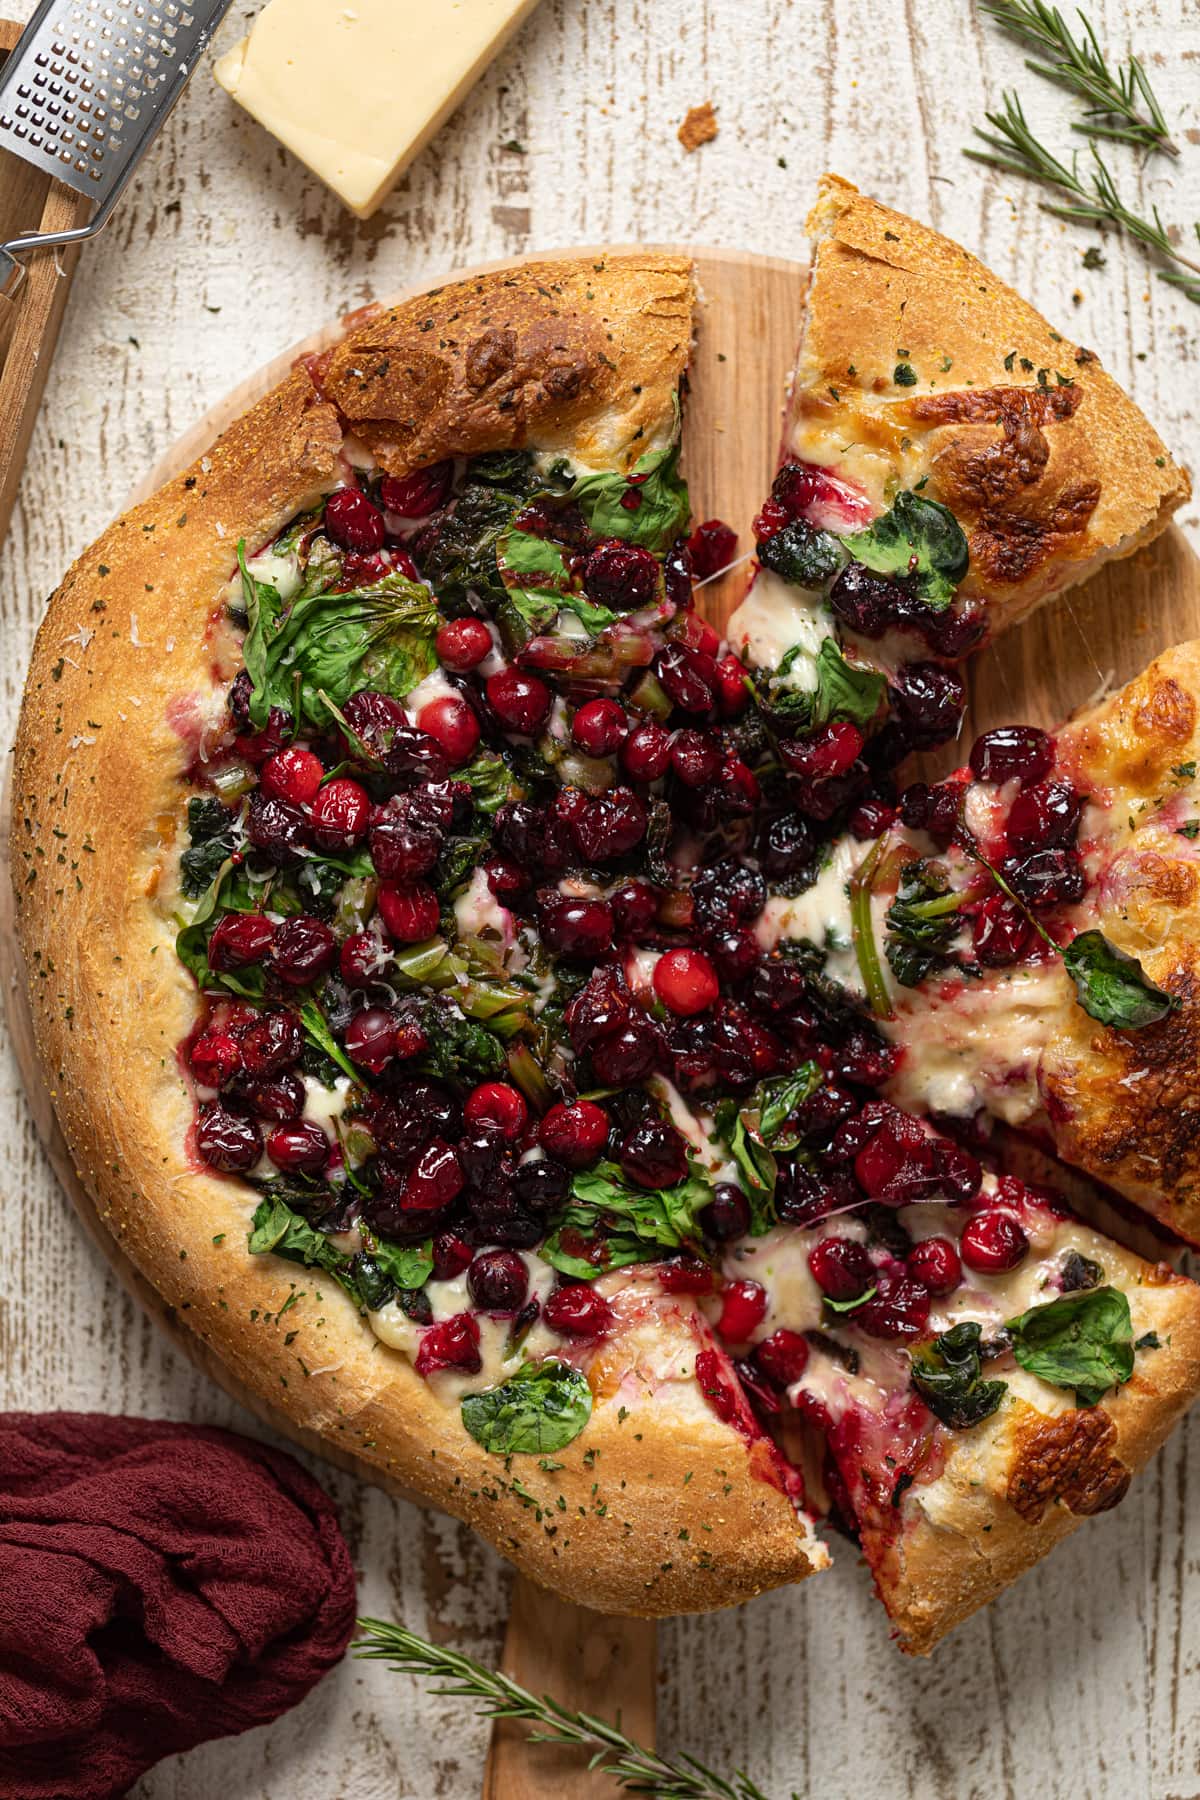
(1112, 986)
(662, 509)
(541, 1409)
(801, 555)
(918, 540)
(277, 1228)
(948, 1375)
(922, 922)
(844, 691)
(211, 830)
(1082, 1341)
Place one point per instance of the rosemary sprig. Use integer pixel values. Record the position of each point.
(638, 1770)
(1093, 197)
(1121, 102)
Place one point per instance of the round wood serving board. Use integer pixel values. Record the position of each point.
(1101, 633)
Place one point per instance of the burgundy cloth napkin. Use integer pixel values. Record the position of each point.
(160, 1584)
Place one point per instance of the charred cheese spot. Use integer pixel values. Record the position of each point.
(1137, 741)
(1068, 1459)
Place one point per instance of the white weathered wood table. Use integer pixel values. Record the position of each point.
(1085, 1679)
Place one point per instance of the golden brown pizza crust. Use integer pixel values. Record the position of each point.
(1048, 466)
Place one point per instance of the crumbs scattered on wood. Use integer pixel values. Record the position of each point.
(699, 127)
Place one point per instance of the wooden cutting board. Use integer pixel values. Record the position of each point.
(1102, 632)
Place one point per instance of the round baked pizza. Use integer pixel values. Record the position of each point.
(550, 1052)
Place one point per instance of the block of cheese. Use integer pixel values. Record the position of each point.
(356, 88)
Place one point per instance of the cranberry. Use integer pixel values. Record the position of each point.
(771, 518)
(992, 1243)
(370, 1038)
(935, 1263)
(226, 1140)
(578, 1311)
(419, 493)
(610, 827)
(505, 880)
(496, 1103)
(450, 721)
(928, 700)
(239, 940)
(435, 1179)
(352, 521)
(830, 753)
(712, 546)
(646, 752)
(653, 1155)
(689, 677)
(936, 810)
(257, 746)
(413, 757)
(215, 1059)
(898, 1309)
(541, 1186)
(300, 1148)
(363, 958)
(574, 1133)
(787, 846)
(626, 1055)
(841, 1268)
(959, 1175)
(338, 815)
(731, 687)
(275, 828)
(1012, 751)
(405, 842)
(635, 907)
(1001, 933)
(735, 954)
(1044, 816)
(727, 1215)
(451, 1255)
(374, 719)
(276, 1097)
(303, 951)
(498, 1281)
(521, 702)
(686, 982)
(868, 603)
(743, 1308)
(621, 576)
(686, 1275)
(463, 644)
(719, 1387)
(782, 1357)
(573, 927)
(695, 758)
(871, 818)
(898, 1165)
(410, 911)
(599, 727)
(293, 775)
(1047, 878)
(452, 1344)
(274, 1042)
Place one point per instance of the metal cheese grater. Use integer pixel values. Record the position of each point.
(84, 93)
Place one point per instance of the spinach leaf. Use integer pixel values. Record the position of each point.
(1112, 986)
(918, 540)
(801, 555)
(1082, 1341)
(277, 1228)
(263, 606)
(211, 830)
(844, 691)
(583, 1247)
(534, 570)
(459, 1050)
(755, 1130)
(490, 780)
(922, 922)
(541, 1409)
(948, 1375)
(609, 1225)
(662, 508)
(777, 1098)
(408, 1265)
(316, 1029)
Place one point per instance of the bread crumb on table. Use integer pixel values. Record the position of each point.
(700, 126)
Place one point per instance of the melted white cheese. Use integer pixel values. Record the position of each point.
(821, 915)
(478, 911)
(981, 1044)
(775, 618)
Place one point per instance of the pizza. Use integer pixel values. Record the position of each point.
(424, 921)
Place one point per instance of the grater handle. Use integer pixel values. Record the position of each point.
(13, 250)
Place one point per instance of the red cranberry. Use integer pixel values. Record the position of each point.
(646, 752)
(293, 775)
(771, 518)
(621, 576)
(352, 521)
(578, 1311)
(435, 1179)
(686, 1275)
(257, 746)
(410, 911)
(686, 982)
(743, 1309)
(226, 1140)
(573, 927)
(451, 1255)
(496, 1103)
(453, 725)
(719, 1387)
(782, 1357)
(935, 1263)
(712, 546)
(610, 827)
(300, 1148)
(732, 696)
(574, 1133)
(626, 1055)
(959, 1175)
(1047, 878)
(404, 843)
(653, 1155)
(1044, 816)
(1020, 751)
(841, 1268)
(521, 702)
(303, 951)
(898, 1309)
(338, 816)
(936, 810)
(928, 700)
(635, 908)
(363, 958)
(695, 758)
(452, 1344)
(505, 880)
(239, 940)
(277, 1097)
(727, 1215)
(370, 1038)
(897, 1165)
(871, 818)
(1001, 933)
(275, 829)
(689, 677)
(992, 1243)
(274, 1042)
(830, 753)
(374, 719)
(415, 495)
(498, 1281)
(462, 644)
(215, 1059)
(599, 727)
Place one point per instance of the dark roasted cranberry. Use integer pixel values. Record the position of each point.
(496, 1103)
(677, 575)
(871, 818)
(864, 1057)
(1001, 934)
(364, 958)
(373, 718)
(300, 1147)
(275, 829)
(992, 1243)
(778, 987)
(712, 545)
(573, 927)
(505, 880)
(215, 1059)
(574, 1134)
(955, 630)
(303, 951)
(653, 1155)
(728, 893)
(635, 907)
(404, 843)
(353, 521)
(462, 644)
(1044, 816)
(782, 1358)
(771, 517)
(370, 1038)
(599, 727)
(743, 1309)
(338, 816)
(626, 1055)
(1012, 751)
(419, 493)
(959, 1174)
(868, 603)
(413, 757)
(727, 1215)
(453, 1344)
(1047, 878)
(541, 1186)
(578, 1311)
(802, 1197)
(238, 699)
(688, 676)
(928, 700)
(841, 1268)
(621, 576)
(453, 725)
(735, 793)
(935, 1263)
(293, 775)
(646, 752)
(276, 1097)
(686, 982)
(830, 753)
(610, 827)
(857, 1132)
(498, 1281)
(451, 1255)
(520, 701)
(899, 1165)
(786, 847)
(897, 1310)
(686, 1275)
(599, 1007)
(226, 1140)
(818, 1117)
(936, 810)
(695, 757)
(257, 746)
(735, 954)
(274, 1042)
(410, 911)
(239, 940)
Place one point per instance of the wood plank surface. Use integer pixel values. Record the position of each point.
(1082, 1680)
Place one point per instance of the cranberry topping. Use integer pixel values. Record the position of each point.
(712, 545)
(646, 752)
(274, 1042)
(841, 1268)
(462, 644)
(727, 1215)
(928, 700)
(496, 1103)
(521, 702)
(635, 907)
(1012, 751)
(363, 958)
(732, 696)
(353, 521)
(498, 1281)
(1044, 816)
(239, 940)
(899, 1164)
(599, 727)
(416, 495)
(453, 1344)
(686, 1275)
(610, 827)
(898, 1309)
(338, 815)
(451, 1255)
(578, 1311)
(299, 1147)
(370, 1038)
(409, 910)
(215, 1059)
(435, 1178)
(574, 1134)
(275, 829)
(719, 1387)
(626, 1055)
(935, 1263)
(686, 982)
(276, 1097)
(653, 1155)
(743, 1309)
(226, 1140)
(782, 1358)
(450, 721)
(871, 818)
(293, 775)
(695, 758)
(992, 1243)
(304, 949)
(688, 676)
(621, 576)
(1047, 878)
(576, 927)
(1001, 934)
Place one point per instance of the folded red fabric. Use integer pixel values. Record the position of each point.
(160, 1584)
